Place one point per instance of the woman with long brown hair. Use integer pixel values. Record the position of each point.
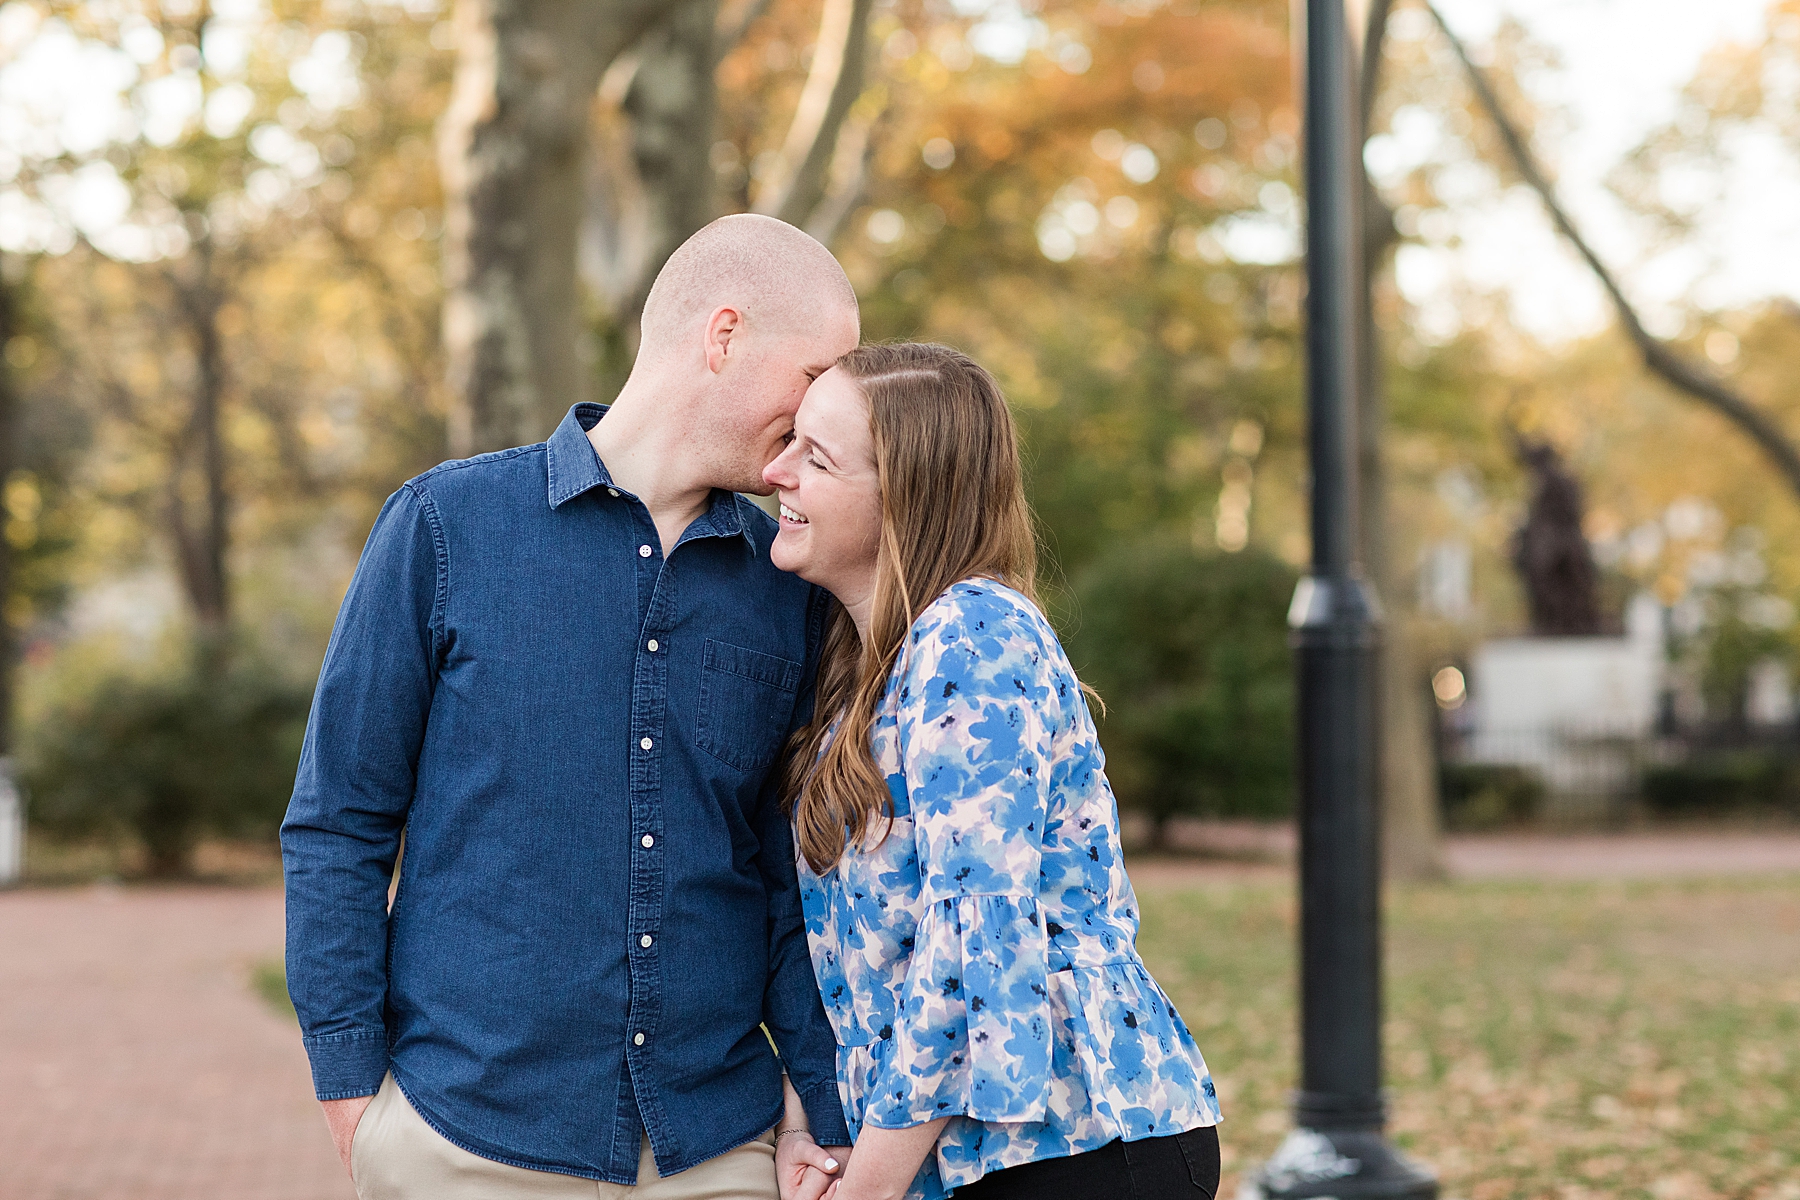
(971, 924)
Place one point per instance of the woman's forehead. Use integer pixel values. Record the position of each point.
(834, 405)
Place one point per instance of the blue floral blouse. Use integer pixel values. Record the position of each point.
(978, 961)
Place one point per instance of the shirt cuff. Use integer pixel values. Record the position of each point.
(346, 1065)
(825, 1115)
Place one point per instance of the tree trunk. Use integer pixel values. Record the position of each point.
(671, 104)
(512, 146)
(10, 327)
(1411, 842)
(202, 543)
(1159, 831)
(167, 829)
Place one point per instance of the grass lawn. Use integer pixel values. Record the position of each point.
(1543, 1040)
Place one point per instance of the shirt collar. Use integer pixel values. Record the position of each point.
(724, 517)
(575, 468)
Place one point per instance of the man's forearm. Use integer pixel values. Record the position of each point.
(338, 857)
(809, 1056)
(792, 1010)
(793, 1111)
(337, 958)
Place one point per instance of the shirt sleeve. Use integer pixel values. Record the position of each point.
(792, 1010)
(341, 835)
(973, 1034)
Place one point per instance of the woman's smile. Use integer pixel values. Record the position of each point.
(830, 494)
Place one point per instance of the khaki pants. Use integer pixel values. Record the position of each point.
(397, 1156)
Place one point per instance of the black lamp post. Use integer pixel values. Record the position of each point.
(1337, 1147)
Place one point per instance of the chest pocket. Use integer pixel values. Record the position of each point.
(746, 700)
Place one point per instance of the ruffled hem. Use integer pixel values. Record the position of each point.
(973, 1032)
(1123, 1066)
(1141, 1070)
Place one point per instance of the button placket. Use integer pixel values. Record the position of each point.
(649, 713)
(650, 677)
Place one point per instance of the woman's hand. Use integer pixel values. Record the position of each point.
(805, 1170)
(886, 1161)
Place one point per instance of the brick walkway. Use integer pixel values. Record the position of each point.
(1649, 854)
(136, 1063)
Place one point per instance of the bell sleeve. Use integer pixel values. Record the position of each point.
(972, 1035)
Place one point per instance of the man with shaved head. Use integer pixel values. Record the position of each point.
(565, 673)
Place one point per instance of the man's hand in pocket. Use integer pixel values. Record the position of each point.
(343, 1116)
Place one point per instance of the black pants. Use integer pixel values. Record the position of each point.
(1182, 1166)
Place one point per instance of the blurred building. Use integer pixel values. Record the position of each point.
(1576, 711)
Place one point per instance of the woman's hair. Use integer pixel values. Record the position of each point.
(952, 506)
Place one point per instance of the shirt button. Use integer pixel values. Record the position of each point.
(612, 492)
(651, 645)
(647, 841)
(645, 941)
(638, 1040)
(643, 552)
(646, 744)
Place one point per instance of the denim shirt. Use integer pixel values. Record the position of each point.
(596, 913)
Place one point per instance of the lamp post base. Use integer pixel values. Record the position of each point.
(1339, 1164)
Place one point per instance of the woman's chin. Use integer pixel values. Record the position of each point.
(787, 555)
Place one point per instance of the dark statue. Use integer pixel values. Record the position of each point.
(1550, 550)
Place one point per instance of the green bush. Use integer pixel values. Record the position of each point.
(168, 760)
(1723, 781)
(1190, 654)
(1488, 795)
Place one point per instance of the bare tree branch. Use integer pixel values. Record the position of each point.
(415, 340)
(1658, 356)
(1373, 40)
(797, 183)
(729, 35)
(1379, 233)
(849, 177)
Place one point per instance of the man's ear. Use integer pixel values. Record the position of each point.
(724, 327)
